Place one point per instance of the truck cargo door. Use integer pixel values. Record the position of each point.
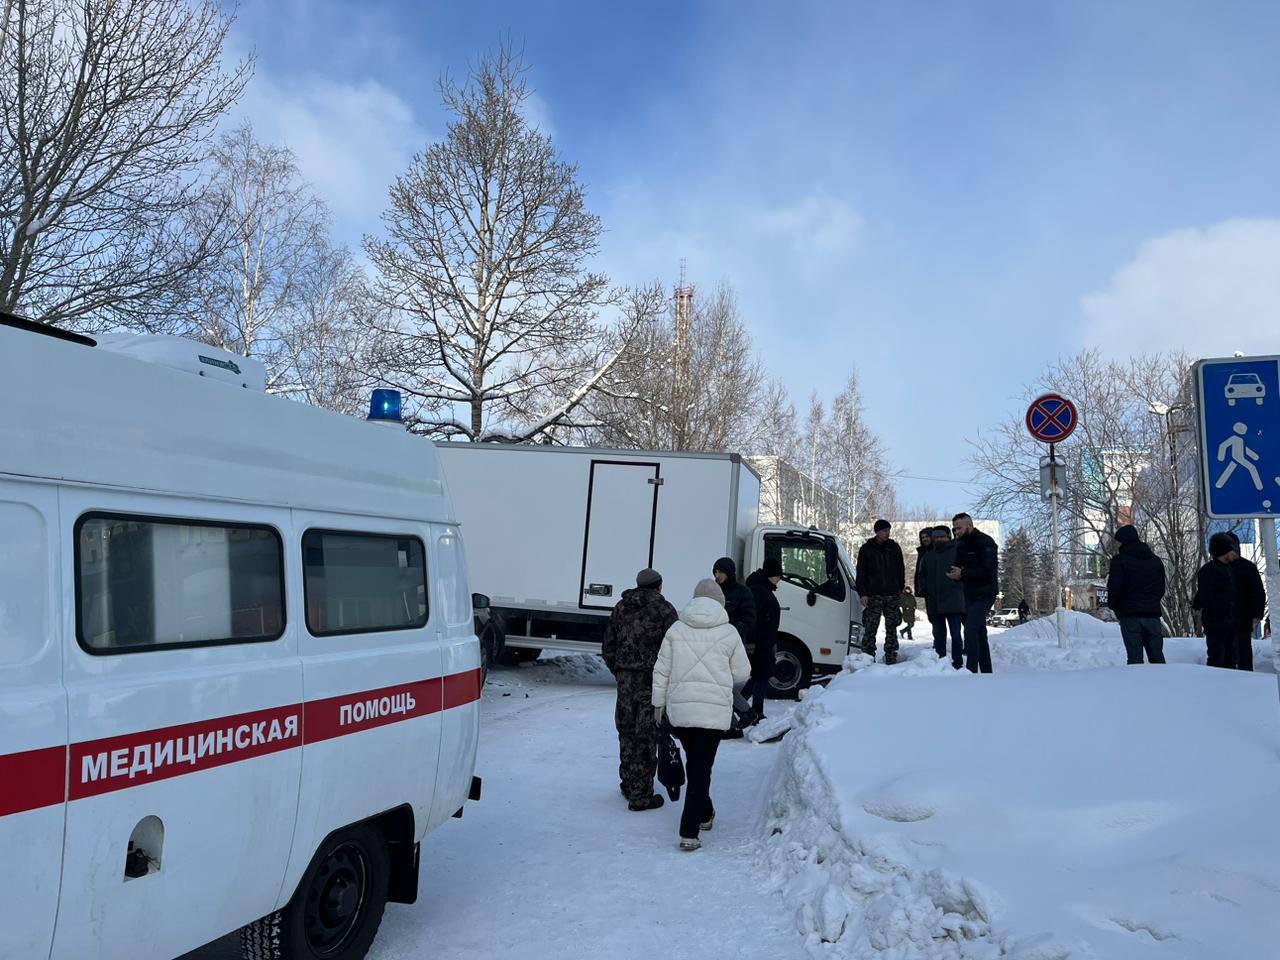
(622, 506)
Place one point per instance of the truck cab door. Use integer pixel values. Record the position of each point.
(814, 597)
(33, 718)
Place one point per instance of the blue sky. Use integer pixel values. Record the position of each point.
(945, 195)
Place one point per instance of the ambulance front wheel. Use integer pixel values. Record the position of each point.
(336, 910)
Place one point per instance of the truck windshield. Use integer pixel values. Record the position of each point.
(845, 566)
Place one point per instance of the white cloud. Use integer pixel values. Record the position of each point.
(1208, 291)
(818, 227)
(351, 139)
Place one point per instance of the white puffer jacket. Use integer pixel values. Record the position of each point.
(701, 662)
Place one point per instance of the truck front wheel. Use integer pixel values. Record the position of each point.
(336, 910)
(792, 668)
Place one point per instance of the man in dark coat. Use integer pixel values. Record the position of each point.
(632, 639)
(944, 600)
(763, 585)
(739, 604)
(917, 579)
(1135, 587)
(1216, 600)
(881, 575)
(977, 566)
(1251, 606)
(1024, 610)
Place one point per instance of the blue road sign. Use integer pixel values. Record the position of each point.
(1239, 402)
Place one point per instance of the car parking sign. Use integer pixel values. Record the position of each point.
(1239, 400)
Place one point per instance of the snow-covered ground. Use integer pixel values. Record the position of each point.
(1050, 811)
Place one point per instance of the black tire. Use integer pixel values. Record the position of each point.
(336, 910)
(792, 669)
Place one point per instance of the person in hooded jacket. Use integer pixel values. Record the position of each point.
(977, 566)
(763, 585)
(1215, 598)
(1135, 587)
(701, 663)
(1251, 607)
(944, 601)
(879, 579)
(739, 604)
(636, 627)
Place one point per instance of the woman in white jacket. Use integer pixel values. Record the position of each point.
(701, 663)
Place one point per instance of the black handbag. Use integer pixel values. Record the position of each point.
(670, 763)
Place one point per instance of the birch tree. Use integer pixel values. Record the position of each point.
(497, 329)
(106, 109)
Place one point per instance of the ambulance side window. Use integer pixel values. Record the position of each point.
(153, 584)
(363, 582)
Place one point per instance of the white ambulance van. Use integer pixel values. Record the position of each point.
(239, 679)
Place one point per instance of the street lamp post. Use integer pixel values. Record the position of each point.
(1166, 411)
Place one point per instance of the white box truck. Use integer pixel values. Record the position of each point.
(555, 534)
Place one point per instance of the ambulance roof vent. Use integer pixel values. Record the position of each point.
(189, 356)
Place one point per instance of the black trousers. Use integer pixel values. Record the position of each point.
(700, 748)
(977, 650)
(1240, 653)
(1219, 641)
(941, 622)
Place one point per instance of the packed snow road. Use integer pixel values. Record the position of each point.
(551, 862)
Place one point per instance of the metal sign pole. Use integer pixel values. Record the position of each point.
(1058, 613)
(1267, 529)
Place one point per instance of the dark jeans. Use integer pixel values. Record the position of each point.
(700, 748)
(941, 621)
(977, 649)
(1142, 634)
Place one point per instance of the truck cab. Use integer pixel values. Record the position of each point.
(821, 617)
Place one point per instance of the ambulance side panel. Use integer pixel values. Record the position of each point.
(204, 739)
(33, 718)
(374, 697)
(460, 650)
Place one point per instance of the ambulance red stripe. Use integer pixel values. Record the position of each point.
(39, 778)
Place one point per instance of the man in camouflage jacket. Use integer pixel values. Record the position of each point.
(631, 643)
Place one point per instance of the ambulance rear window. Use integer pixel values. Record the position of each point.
(363, 582)
(153, 584)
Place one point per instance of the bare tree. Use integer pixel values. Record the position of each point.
(106, 107)
(273, 252)
(485, 263)
(692, 380)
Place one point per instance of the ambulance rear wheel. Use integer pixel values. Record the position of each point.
(336, 910)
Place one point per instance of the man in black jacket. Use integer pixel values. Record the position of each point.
(945, 597)
(1135, 587)
(1251, 606)
(763, 585)
(738, 602)
(1216, 600)
(978, 568)
(879, 580)
(632, 639)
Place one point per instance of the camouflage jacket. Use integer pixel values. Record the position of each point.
(636, 628)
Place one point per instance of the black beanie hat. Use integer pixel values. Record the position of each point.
(881, 524)
(772, 567)
(1220, 544)
(726, 566)
(1127, 534)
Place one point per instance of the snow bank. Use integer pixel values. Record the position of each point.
(1090, 643)
(1117, 813)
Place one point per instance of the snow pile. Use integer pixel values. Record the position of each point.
(1119, 813)
(553, 668)
(1090, 643)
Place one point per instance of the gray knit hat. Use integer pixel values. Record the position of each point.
(709, 588)
(648, 577)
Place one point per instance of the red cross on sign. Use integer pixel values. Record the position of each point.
(1051, 418)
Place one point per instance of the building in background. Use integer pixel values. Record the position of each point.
(788, 495)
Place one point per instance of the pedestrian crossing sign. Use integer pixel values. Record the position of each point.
(1239, 404)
